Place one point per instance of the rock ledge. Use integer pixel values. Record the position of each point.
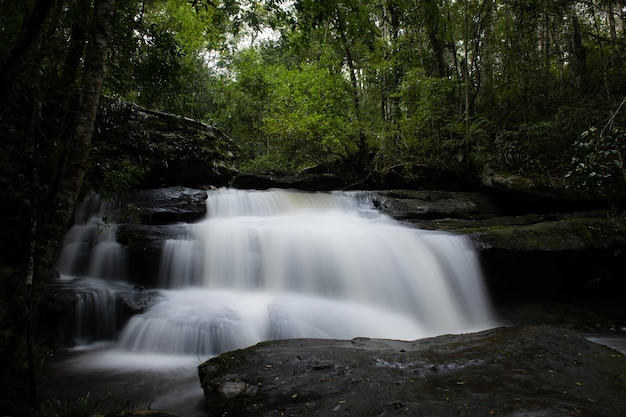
(509, 371)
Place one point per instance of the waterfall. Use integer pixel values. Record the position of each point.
(90, 247)
(284, 264)
(93, 265)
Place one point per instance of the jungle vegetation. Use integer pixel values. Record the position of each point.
(531, 88)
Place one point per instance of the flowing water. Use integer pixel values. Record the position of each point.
(269, 265)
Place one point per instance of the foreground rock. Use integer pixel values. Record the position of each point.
(515, 371)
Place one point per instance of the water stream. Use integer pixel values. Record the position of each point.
(270, 265)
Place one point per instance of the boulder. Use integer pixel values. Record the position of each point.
(156, 215)
(509, 371)
(145, 248)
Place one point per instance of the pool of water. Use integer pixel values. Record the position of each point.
(113, 381)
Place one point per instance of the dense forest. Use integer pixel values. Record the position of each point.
(532, 88)
(535, 89)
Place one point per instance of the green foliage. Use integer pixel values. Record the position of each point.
(598, 162)
(392, 82)
(522, 150)
(427, 128)
(157, 58)
(120, 140)
(457, 84)
(11, 15)
(268, 162)
(239, 101)
(291, 117)
(308, 116)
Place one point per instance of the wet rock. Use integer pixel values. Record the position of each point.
(534, 232)
(578, 256)
(564, 254)
(57, 316)
(428, 205)
(145, 248)
(167, 205)
(539, 371)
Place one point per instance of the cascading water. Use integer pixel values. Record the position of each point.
(262, 265)
(93, 264)
(278, 264)
(281, 264)
(90, 247)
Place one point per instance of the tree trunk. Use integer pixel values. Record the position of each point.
(60, 213)
(432, 18)
(362, 139)
(579, 54)
(57, 212)
(391, 78)
(611, 18)
(30, 29)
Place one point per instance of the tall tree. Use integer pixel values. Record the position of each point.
(348, 26)
(50, 205)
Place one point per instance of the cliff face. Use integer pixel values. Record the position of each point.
(143, 148)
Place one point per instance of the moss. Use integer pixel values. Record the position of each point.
(531, 233)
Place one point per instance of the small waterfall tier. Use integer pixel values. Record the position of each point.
(280, 264)
(90, 247)
(93, 265)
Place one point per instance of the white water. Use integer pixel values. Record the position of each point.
(280, 264)
(94, 264)
(90, 247)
